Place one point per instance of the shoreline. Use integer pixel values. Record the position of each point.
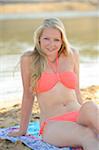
(39, 15)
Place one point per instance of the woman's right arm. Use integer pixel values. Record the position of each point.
(28, 98)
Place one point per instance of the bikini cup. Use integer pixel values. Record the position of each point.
(48, 80)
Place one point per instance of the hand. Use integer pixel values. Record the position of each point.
(17, 133)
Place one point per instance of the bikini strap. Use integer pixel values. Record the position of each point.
(55, 70)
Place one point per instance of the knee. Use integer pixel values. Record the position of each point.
(89, 105)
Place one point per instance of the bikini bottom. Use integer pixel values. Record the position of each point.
(70, 116)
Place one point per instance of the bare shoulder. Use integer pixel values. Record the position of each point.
(26, 63)
(27, 55)
(26, 58)
(75, 55)
(26, 71)
(75, 52)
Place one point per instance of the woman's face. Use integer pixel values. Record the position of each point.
(50, 41)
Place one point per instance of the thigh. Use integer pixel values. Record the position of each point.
(64, 133)
(89, 115)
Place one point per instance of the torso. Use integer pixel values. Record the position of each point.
(59, 99)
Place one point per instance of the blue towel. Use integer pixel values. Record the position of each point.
(32, 139)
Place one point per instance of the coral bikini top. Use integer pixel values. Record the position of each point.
(49, 79)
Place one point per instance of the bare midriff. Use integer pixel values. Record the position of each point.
(57, 101)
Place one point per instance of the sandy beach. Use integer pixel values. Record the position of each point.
(10, 112)
(10, 116)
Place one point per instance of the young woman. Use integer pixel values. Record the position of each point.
(51, 73)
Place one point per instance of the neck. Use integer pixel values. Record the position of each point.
(53, 58)
(53, 63)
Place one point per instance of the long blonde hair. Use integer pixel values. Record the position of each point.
(38, 56)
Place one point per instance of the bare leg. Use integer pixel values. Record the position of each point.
(89, 116)
(63, 134)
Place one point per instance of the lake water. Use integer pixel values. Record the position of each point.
(16, 36)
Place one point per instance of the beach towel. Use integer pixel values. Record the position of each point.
(32, 139)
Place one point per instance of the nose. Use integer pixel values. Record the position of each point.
(51, 42)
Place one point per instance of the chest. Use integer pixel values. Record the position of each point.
(63, 64)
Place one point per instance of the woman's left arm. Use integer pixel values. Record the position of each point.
(76, 70)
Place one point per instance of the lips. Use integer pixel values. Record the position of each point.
(51, 50)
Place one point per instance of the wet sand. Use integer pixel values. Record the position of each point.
(10, 116)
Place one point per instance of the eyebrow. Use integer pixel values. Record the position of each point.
(46, 36)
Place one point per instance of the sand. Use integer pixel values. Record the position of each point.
(10, 115)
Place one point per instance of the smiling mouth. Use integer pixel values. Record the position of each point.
(51, 50)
